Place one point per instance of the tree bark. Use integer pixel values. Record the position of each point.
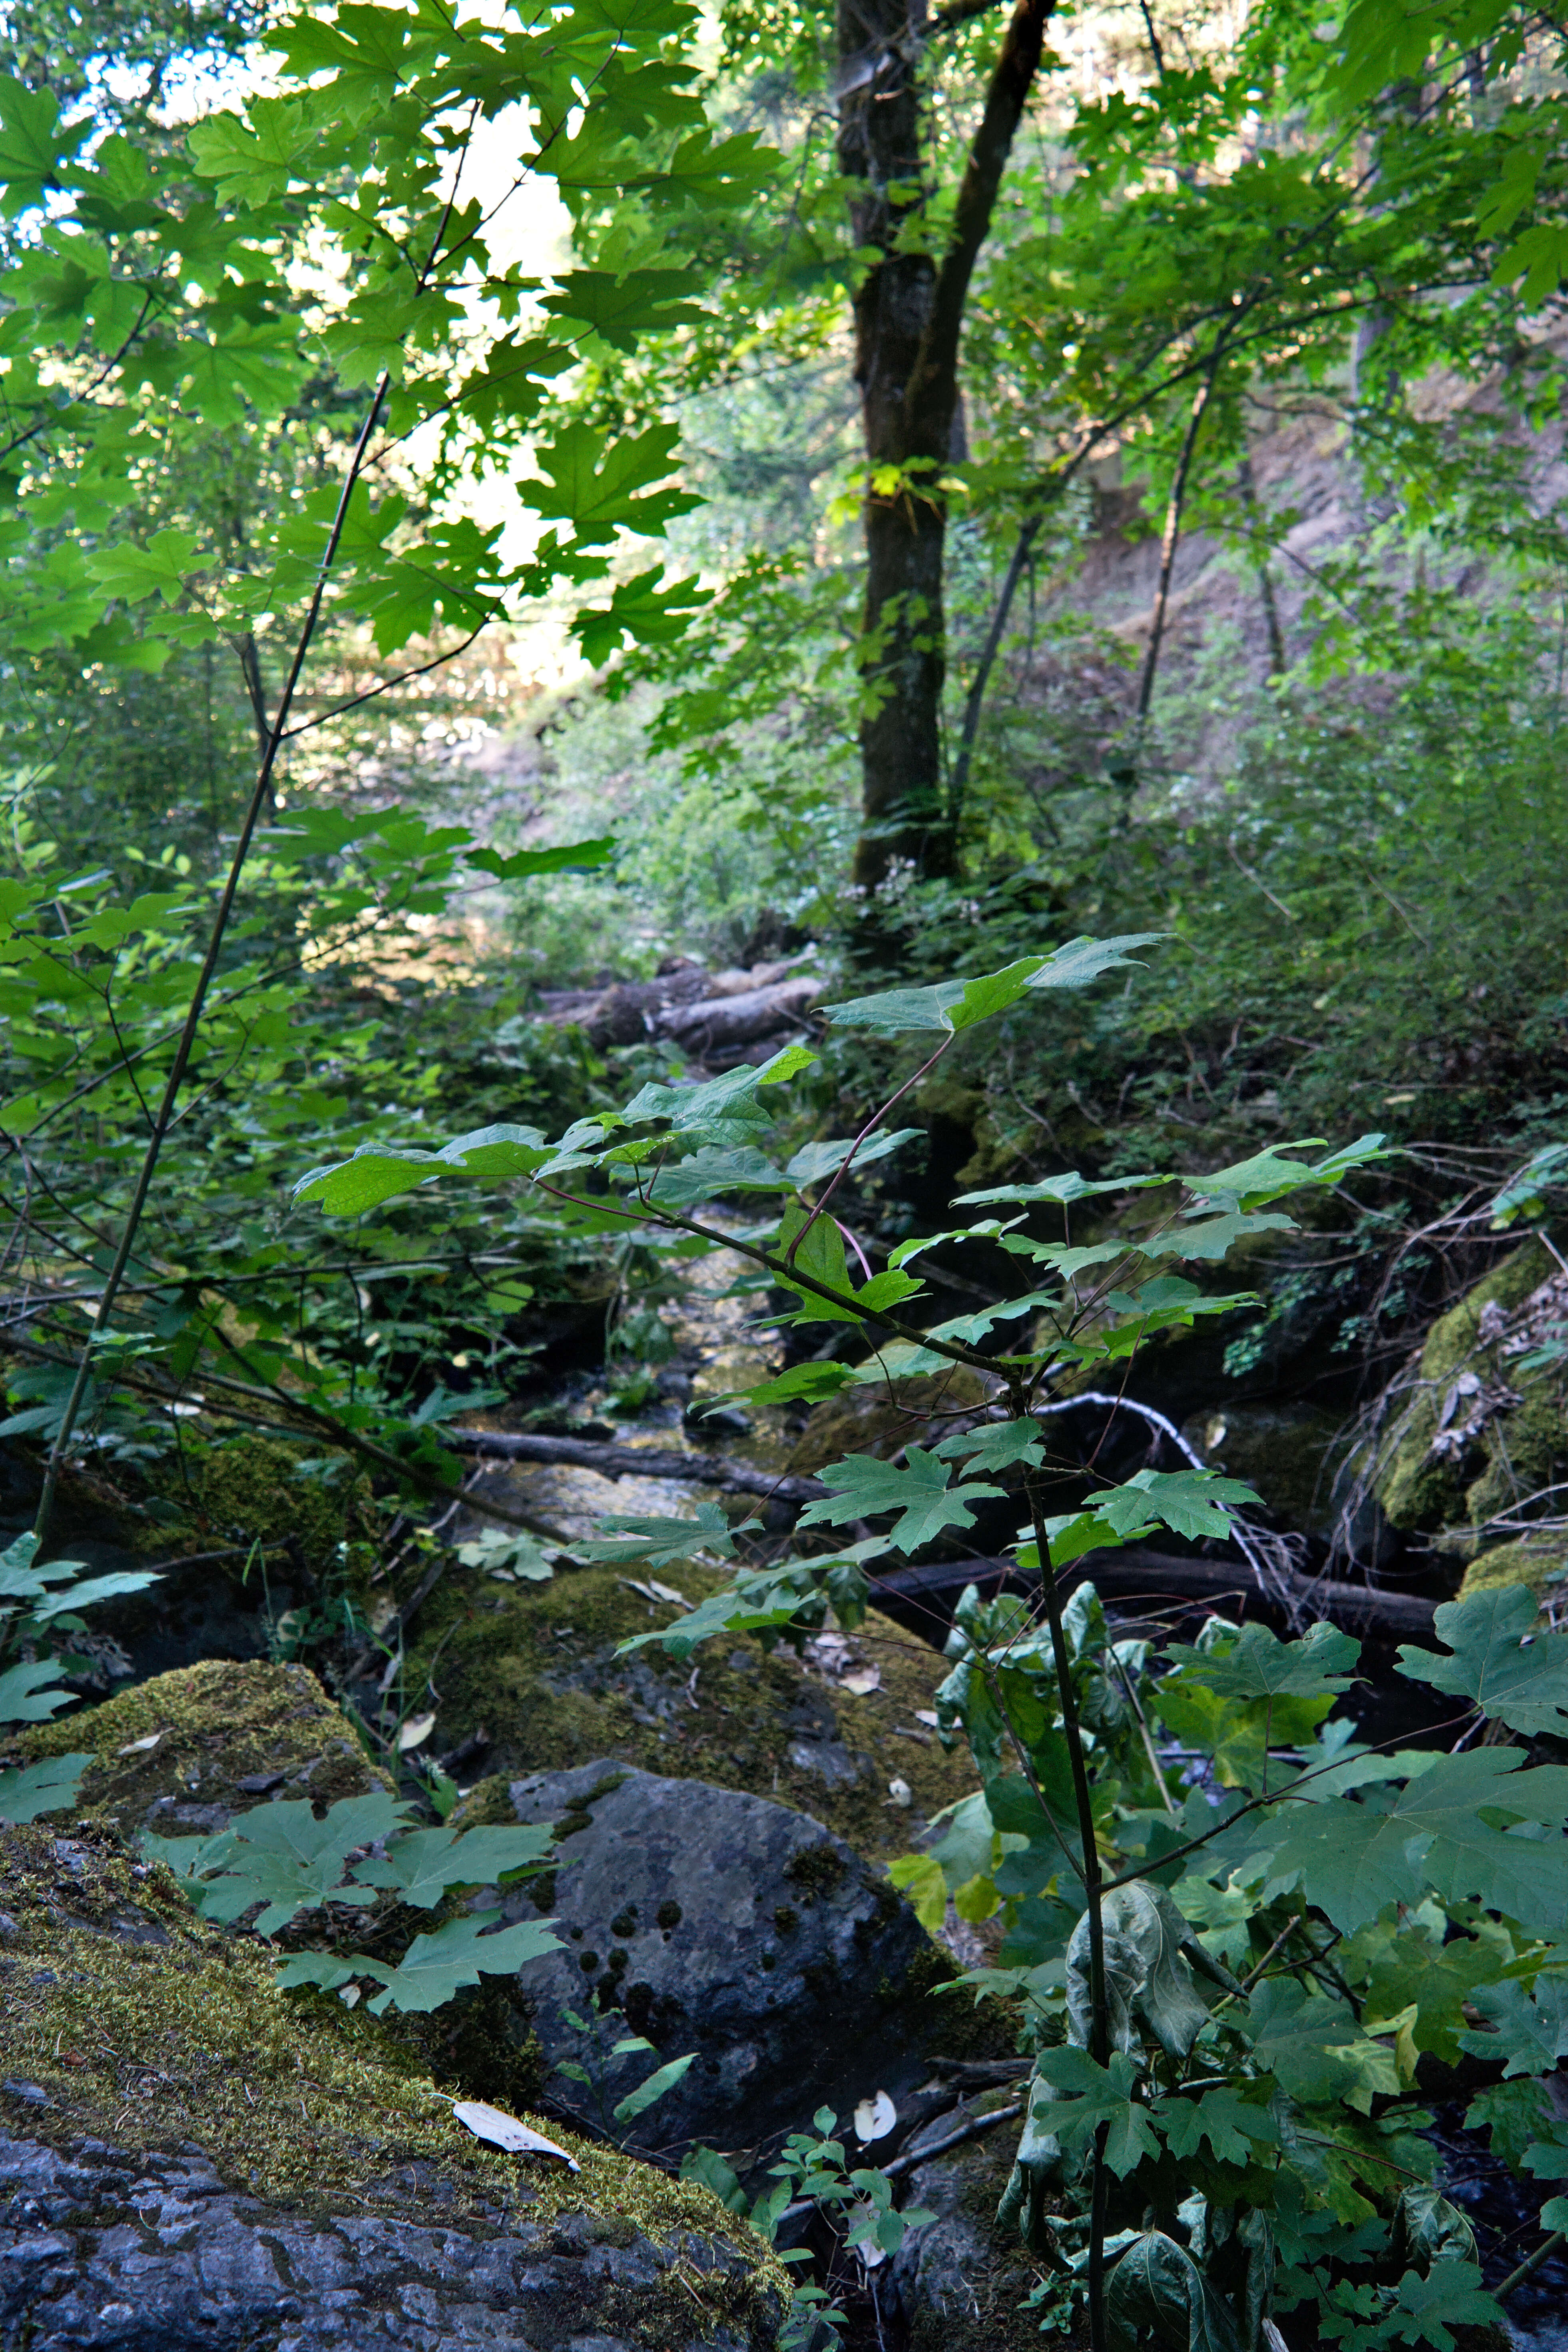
(909, 316)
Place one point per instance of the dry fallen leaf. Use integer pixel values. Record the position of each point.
(653, 1590)
(860, 1680)
(901, 1793)
(928, 1715)
(874, 2117)
(504, 2131)
(139, 1747)
(415, 1733)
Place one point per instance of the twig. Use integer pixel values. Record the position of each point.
(1531, 2263)
(972, 2129)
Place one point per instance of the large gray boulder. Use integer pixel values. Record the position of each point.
(717, 1923)
(105, 2250)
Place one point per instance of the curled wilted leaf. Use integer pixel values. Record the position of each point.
(503, 2131)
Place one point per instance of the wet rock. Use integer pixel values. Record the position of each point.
(960, 2283)
(103, 2250)
(721, 1924)
(182, 1753)
(536, 1666)
(191, 2158)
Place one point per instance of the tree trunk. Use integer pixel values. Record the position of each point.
(908, 312)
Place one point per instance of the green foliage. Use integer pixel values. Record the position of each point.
(1500, 1659)
(283, 1859)
(39, 1599)
(1125, 1909)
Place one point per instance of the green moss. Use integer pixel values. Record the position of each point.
(216, 1724)
(536, 1666)
(127, 2012)
(247, 1490)
(1518, 1451)
(816, 1871)
(1529, 1562)
(1286, 1452)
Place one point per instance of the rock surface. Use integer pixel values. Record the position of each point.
(960, 2283)
(535, 1667)
(1476, 1434)
(104, 2250)
(192, 2159)
(721, 1924)
(184, 1752)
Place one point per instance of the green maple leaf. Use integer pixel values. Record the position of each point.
(1409, 1962)
(1530, 2031)
(920, 1495)
(1540, 258)
(435, 1968)
(1231, 2125)
(423, 1864)
(1352, 1858)
(281, 1856)
(709, 1171)
(1089, 2095)
(602, 486)
(996, 1447)
(1499, 1655)
(706, 173)
(253, 159)
(376, 1172)
(1451, 2291)
(802, 1384)
(1257, 1665)
(1191, 1503)
(47, 1788)
(31, 145)
(251, 367)
(621, 307)
(639, 609)
(32, 1692)
(1214, 1238)
(956, 1004)
(1314, 2048)
(658, 1541)
(1267, 1175)
(1237, 1734)
(158, 569)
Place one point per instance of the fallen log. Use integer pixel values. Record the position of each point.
(638, 1462)
(1139, 1574)
(737, 1020)
(624, 1010)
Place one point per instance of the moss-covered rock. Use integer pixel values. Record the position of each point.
(1288, 1453)
(535, 1667)
(1531, 1561)
(247, 1490)
(180, 1753)
(288, 2160)
(1477, 1435)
